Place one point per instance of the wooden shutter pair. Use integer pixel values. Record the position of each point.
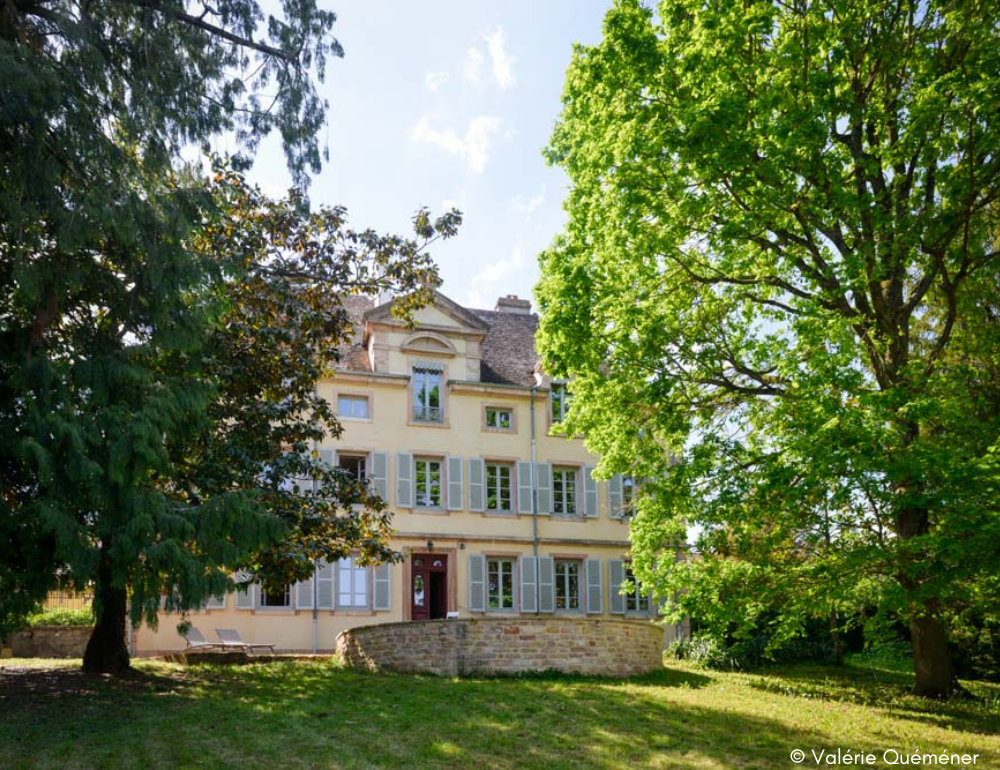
(322, 579)
(538, 575)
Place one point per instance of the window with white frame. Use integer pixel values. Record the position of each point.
(498, 487)
(567, 576)
(427, 394)
(564, 491)
(280, 597)
(499, 418)
(352, 585)
(636, 600)
(559, 400)
(354, 465)
(351, 406)
(499, 584)
(427, 482)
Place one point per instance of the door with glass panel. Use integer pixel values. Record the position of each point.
(428, 586)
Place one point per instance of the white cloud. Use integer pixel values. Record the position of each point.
(527, 207)
(493, 280)
(472, 67)
(434, 80)
(503, 63)
(473, 147)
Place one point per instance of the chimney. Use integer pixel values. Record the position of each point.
(511, 304)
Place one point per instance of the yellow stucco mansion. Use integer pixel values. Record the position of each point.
(451, 422)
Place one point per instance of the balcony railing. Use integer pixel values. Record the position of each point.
(428, 414)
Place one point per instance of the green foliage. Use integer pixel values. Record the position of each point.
(777, 298)
(60, 616)
(750, 654)
(161, 334)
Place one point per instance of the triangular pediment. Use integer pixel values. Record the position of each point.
(440, 313)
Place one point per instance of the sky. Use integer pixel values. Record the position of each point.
(449, 104)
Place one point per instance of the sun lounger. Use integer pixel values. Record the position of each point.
(231, 638)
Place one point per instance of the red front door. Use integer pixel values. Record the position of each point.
(428, 586)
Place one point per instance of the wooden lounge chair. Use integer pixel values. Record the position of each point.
(231, 638)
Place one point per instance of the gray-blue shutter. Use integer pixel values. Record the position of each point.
(615, 496)
(529, 578)
(589, 492)
(477, 484)
(380, 474)
(326, 457)
(543, 476)
(404, 480)
(324, 586)
(595, 587)
(546, 584)
(616, 576)
(477, 582)
(454, 483)
(245, 597)
(524, 487)
(216, 602)
(304, 594)
(383, 587)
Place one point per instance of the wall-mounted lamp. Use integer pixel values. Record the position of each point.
(430, 545)
(461, 546)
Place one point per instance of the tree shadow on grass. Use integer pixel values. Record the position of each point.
(294, 715)
(885, 689)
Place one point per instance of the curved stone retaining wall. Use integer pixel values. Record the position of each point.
(495, 645)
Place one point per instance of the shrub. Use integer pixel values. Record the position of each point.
(62, 617)
(749, 654)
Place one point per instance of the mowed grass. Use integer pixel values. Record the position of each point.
(316, 714)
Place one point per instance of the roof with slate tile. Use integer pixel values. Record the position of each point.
(508, 349)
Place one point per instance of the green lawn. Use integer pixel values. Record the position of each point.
(314, 714)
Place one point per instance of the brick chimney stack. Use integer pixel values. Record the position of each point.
(511, 304)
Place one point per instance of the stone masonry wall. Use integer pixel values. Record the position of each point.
(496, 645)
(50, 642)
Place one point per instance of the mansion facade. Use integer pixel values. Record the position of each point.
(451, 422)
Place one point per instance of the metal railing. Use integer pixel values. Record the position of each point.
(427, 414)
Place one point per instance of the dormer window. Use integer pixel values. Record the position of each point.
(427, 394)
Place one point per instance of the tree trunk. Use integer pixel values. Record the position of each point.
(838, 642)
(107, 652)
(935, 674)
(931, 659)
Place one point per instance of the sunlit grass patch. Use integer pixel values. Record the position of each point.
(316, 714)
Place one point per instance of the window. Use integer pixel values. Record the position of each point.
(352, 406)
(427, 394)
(560, 399)
(428, 482)
(567, 585)
(352, 585)
(499, 419)
(499, 584)
(354, 465)
(636, 600)
(282, 597)
(498, 477)
(564, 491)
(628, 495)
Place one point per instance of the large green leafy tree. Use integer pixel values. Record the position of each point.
(778, 270)
(159, 335)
